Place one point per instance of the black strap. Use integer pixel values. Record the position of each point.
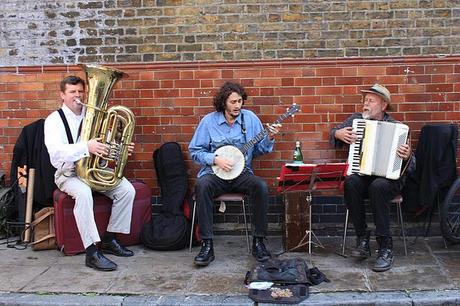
(66, 125)
(243, 127)
(67, 128)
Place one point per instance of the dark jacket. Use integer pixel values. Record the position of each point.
(436, 165)
(30, 150)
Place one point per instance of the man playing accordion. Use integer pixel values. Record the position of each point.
(379, 190)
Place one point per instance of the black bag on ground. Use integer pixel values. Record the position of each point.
(291, 279)
(170, 229)
(7, 206)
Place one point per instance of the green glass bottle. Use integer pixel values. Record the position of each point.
(298, 157)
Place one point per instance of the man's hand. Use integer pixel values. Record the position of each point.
(98, 148)
(346, 135)
(223, 163)
(273, 130)
(404, 151)
(130, 149)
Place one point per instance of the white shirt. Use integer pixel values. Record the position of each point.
(62, 154)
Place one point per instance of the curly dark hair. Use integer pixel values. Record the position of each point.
(72, 80)
(226, 90)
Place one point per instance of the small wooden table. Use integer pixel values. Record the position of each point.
(308, 179)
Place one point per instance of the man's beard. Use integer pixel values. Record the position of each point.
(366, 115)
(234, 116)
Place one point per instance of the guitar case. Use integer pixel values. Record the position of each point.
(170, 229)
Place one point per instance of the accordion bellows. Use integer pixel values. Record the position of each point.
(374, 151)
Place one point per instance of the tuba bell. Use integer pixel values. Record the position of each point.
(114, 126)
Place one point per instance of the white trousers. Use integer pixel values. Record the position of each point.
(120, 219)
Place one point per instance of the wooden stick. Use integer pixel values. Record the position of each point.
(29, 203)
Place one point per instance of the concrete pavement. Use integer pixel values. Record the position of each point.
(429, 275)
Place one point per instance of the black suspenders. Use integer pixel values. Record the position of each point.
(67, 128)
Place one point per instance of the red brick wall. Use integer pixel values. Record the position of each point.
(170, 98)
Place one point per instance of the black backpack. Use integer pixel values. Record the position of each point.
(170, 229)
(291, 279)
(7, 206)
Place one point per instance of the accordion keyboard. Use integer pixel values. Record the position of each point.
(355, 151)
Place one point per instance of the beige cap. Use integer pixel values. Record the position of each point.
(381, 91)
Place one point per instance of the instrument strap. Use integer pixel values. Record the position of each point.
(410, 158)
(243, 127)
(67, 128)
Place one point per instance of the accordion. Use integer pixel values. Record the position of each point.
(374, 151)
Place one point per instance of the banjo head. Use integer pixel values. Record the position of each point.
(236, 156)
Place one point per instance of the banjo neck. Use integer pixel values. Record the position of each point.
(253, 141)
(264, 133)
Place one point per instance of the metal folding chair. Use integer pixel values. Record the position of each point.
(396, 200)
(226, 197)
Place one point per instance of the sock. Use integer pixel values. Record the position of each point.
(108, 236)
(91, 250)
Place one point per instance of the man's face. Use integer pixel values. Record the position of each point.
(233, 105)
(373, 106)
(71, 95)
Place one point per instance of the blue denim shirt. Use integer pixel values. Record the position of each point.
(214, 132)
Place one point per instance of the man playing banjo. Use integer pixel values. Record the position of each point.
(230, 125)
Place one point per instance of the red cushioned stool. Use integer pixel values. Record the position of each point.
(67, 236)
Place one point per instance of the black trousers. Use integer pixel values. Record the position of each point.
(210, 186)
(380, 192)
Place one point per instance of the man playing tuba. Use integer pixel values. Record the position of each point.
(62, 131)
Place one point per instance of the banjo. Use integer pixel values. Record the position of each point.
(237, 156)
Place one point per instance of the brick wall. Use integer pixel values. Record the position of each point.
(169, 100)
(133, 31)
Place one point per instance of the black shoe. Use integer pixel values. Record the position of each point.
(362, 250)
(100, 262)
(206, 254)
(259, 251)
(385, 257)
(115, 248)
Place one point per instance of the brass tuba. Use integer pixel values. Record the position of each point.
(115, 127)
